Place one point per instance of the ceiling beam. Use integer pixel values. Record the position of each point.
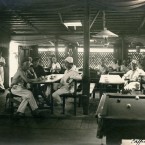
(61, 20)
(141, 24)
(94, 19)
(20, 16)
(26, 21)
(66, 41)
(50, 33)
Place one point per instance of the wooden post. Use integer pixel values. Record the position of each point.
(56, 49)
(121, 49)
(86, 73)
(124, 49)
(75, 55)
(66, 51)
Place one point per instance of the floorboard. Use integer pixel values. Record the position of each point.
(54, 129)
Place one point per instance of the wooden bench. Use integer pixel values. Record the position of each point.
(75, 95)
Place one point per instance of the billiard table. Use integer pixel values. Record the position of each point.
(121, 116)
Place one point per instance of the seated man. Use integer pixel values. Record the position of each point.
(133, 76)
(123, 67)
(55, 68)
(66, 84)
(102, 68)
(38, 69)
(115, 65)
(18, 85)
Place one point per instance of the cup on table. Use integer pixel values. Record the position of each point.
(106, 79)
(51, 77)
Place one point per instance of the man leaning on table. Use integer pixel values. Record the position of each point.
(132, 77)
(19, 87)
(66, 85)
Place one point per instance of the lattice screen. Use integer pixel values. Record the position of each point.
(95, 58)
(44, 55)
(135, 55)
(61, 57)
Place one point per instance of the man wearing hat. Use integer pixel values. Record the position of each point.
(133, 76)
(66, 85)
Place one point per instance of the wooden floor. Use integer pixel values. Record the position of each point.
(48, 131)
(51, 129)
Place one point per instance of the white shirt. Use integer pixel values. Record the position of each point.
(133, 74)
(102, 69)
(74, 67)
(114, 66)
(55, 66)
(69, 75)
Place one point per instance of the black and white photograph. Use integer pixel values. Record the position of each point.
(72, 72)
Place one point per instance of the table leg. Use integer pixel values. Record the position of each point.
(51, 98)
(44, 97)
(101, 91)
(38, 90)
(118, 88)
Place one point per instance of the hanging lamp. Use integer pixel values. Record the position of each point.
(105, 33)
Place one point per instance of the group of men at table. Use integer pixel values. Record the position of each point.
(20, 79)
(28, 73)
(114, 66)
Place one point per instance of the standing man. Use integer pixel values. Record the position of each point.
(2, 64)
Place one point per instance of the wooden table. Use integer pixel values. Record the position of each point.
(49, 80)
(110, 80)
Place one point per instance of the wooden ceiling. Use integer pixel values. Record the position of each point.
(41, 21)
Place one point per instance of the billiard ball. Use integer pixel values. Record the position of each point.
(128, 105)
(118, 100)
(137, 97)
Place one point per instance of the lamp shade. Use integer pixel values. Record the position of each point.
(105, 34)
